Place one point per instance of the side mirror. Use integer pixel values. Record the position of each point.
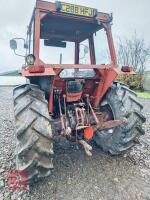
(13, 44)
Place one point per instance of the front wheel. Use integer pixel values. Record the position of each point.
(120, 102)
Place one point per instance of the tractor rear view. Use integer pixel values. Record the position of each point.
(81, 102)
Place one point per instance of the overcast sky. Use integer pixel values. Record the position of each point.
(129, 15)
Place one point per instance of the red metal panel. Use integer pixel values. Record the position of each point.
(48, 72)
(44, 5)
(37, 69)
(80, 66)
(103, 17)
(107, 77)
(111, 44)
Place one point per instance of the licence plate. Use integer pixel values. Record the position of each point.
(77, 10)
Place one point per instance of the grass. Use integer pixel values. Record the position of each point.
(143, 94)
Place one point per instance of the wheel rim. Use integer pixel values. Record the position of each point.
(109, 115)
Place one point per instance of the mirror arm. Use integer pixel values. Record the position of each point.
(18, 54)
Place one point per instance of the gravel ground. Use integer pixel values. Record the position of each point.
(76, 176)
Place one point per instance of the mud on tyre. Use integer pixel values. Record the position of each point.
(33, 132)
(121, 102)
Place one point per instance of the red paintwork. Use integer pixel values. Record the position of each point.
(37, 69)
(47, 71)
(72, 97)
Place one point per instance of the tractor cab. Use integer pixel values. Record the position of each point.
(63, 23)
(56, 25)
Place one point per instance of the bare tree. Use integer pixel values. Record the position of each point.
(134, 52)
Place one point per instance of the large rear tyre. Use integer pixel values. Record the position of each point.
(120, 102)
(33, 132)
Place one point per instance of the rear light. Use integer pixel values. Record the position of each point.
(127, 69)
(88, 133)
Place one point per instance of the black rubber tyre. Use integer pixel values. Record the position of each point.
(33, 132)
(123, 103)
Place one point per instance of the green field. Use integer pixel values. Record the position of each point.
(143, 94)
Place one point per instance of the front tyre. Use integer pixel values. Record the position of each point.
(120, 102)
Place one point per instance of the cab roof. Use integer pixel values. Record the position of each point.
(56, 25)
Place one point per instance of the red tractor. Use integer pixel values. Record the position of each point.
(82, 104)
